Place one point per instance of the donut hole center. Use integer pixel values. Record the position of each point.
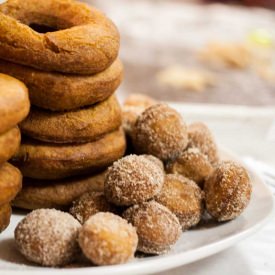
(41, 28)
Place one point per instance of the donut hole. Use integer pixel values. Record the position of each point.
(42, 28)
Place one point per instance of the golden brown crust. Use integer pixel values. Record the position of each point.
(201, 137)
(53, 161)
(183, 198)
(132, 107)
(89, 204)
(5, 214)
(10, 182)
(160, 131)
(14, 102)
(133, 180)
(58, 92)
(191, 164)
(79, 126)
(86, 41)
(157, 227)
(227, 191)
(9, 144)
(57, 194)
(107, 239)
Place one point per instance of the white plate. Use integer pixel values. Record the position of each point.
(193, 245)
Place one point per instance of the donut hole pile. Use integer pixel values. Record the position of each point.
(149, 197)
(66, 53)
(14, 107)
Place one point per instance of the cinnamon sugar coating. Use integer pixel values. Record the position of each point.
(133, 179)
(201, 137)
(227, 191)
(191, 164)
(157, 227)
(107, 239)
(183, 198)
(89, 204)
(48, 237)
(160, 131)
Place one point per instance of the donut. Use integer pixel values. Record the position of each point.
(157, 227)
(9, 143)
(227, 191)
(132, 179)
(89, 204)
(201, 137)
(59, 92)
(54, 161)
(48, 237)
(79, 126)
(10, 182)
(5, 215)
(107, 239)
(57, 194)
(191, 164)
(14, 101)
(183, 198)
(160, 131)
(57, 35)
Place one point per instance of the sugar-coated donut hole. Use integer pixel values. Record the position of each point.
(157, 227)
(48, 237)
(108, 239)
(227, 191)
(182, 197)
(133, 179)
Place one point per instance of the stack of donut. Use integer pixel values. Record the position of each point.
(67, 54)
(14, 107)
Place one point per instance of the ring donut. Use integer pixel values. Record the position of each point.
(71, 37)
(59, 92)
(5, 215)
(57, 194)
(83, 125)
(54, 161)
(10, 182)
(9, 144)
(14, 102)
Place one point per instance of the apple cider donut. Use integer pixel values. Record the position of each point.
(227, 191)
(54, 161)
(183, 198)
(48, 237)
(89, 204)
(14, 101)
(107, 239)
(10, 182)
(157, 227)
(133, 179)
(191, 164)
(79, 126)
(9, 143)
(201, 137)
(160, 131)
(57, 194)
(57, 35)
(59, 92)
(5, 215)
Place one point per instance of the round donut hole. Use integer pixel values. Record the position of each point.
(41, 28)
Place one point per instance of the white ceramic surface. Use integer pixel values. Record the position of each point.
(193, 245)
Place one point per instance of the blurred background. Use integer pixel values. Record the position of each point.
(193, 51)
(216, 60)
